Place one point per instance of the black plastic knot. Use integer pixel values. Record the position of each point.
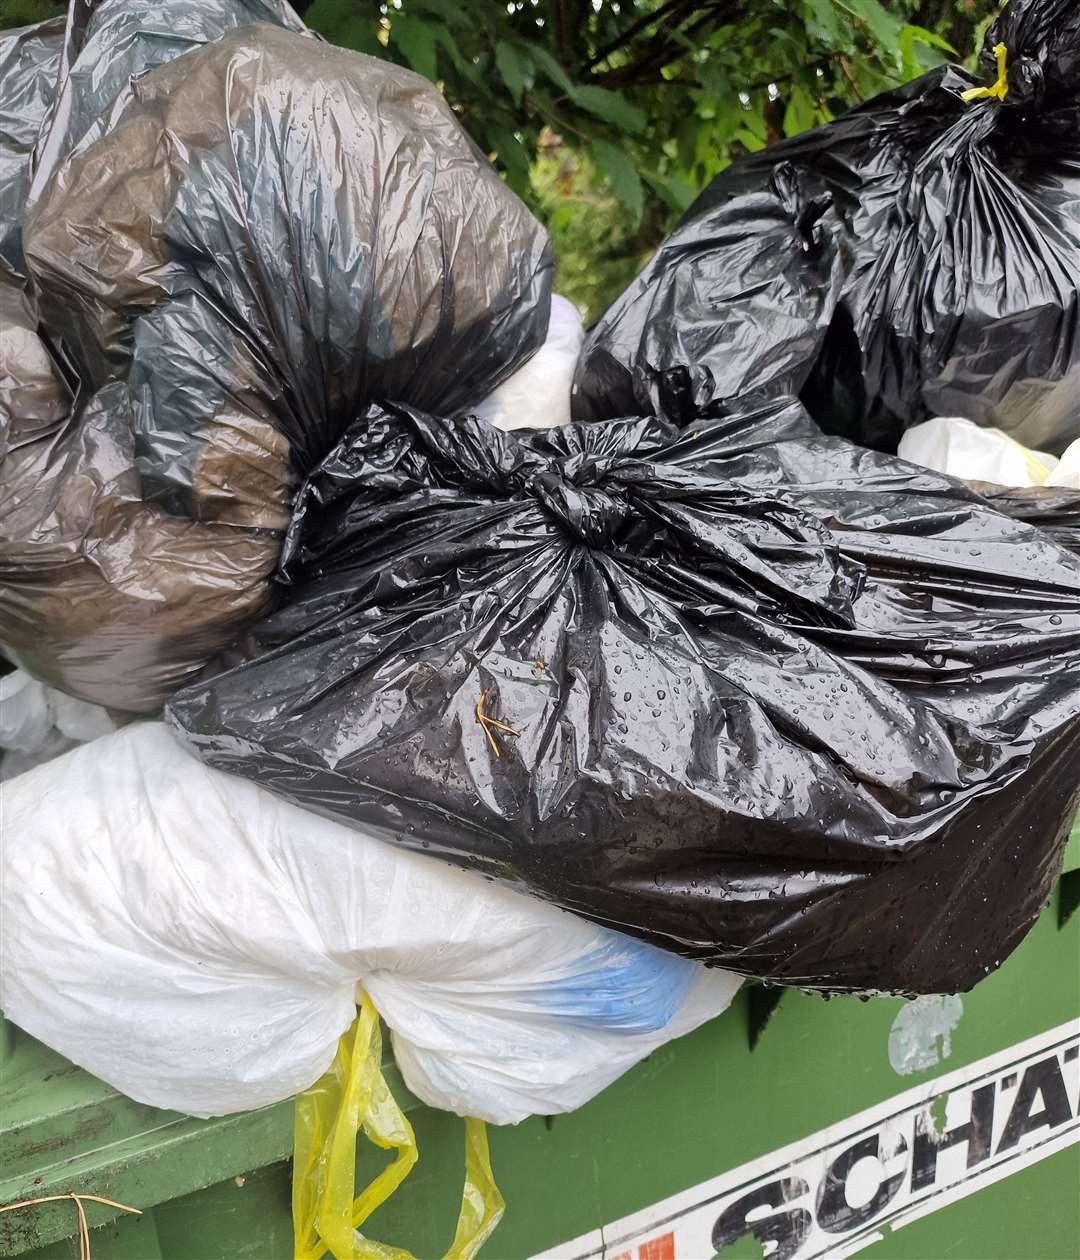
(806, 211)
(588, 511)
(1027, 84)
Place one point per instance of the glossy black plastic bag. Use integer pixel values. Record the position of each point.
(755, 695)
(918, 257)
(1054, 509)
(233, 254)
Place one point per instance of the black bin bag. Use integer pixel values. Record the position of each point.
(756, 695)
(918, 257)
(1055, 509)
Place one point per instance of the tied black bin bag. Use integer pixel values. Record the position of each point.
(755, 695)
(917, 257)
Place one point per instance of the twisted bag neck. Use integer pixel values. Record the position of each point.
(1032, 56)
(652, 502)
(590, 512)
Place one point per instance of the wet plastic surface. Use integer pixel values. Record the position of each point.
(1055, 510)
(231, 255)
(919, 256)
(750, 693)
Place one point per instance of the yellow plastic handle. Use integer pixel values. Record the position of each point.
(1000, 89)
(351, 1096)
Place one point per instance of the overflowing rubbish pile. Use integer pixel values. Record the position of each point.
(387, 644)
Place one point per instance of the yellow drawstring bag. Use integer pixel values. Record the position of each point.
(353, 1094)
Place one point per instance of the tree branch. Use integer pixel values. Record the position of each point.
(662, 49)
(635, 29)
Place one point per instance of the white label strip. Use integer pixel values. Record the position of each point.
(832, 1194)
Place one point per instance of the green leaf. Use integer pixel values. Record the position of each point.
(676, 193)
(338, 21)
(462, 64)
(728, 120)
(750, 142)
(449, 10)
(883, 27)
(512, 69)
(800, 113)
(512, 157)
(687, 136)
(910, 65)
(547, 65)
(622, 175)
(609, 106)
(713, 78)
(971, 61)
(753, 120)
(823, 22)
(415, 39)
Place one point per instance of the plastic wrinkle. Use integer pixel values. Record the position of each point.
(805, 711)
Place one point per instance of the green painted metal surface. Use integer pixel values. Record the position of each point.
(61, 1130)
(219, 1189)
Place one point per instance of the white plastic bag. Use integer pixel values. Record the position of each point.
(537, 396)
(38, 723)
(198, 943)
(959, 448)
(1067, 473)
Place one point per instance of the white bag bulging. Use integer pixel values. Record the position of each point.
(959, 448)
(198, 943)
(25, 720)
(537, 395)
(38, 723)
(1067, 473)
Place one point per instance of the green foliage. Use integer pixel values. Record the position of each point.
(598, 248)
(26, 12)
(636, 104)
(621, 174)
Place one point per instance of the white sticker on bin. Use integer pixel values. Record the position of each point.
(832, 1194)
